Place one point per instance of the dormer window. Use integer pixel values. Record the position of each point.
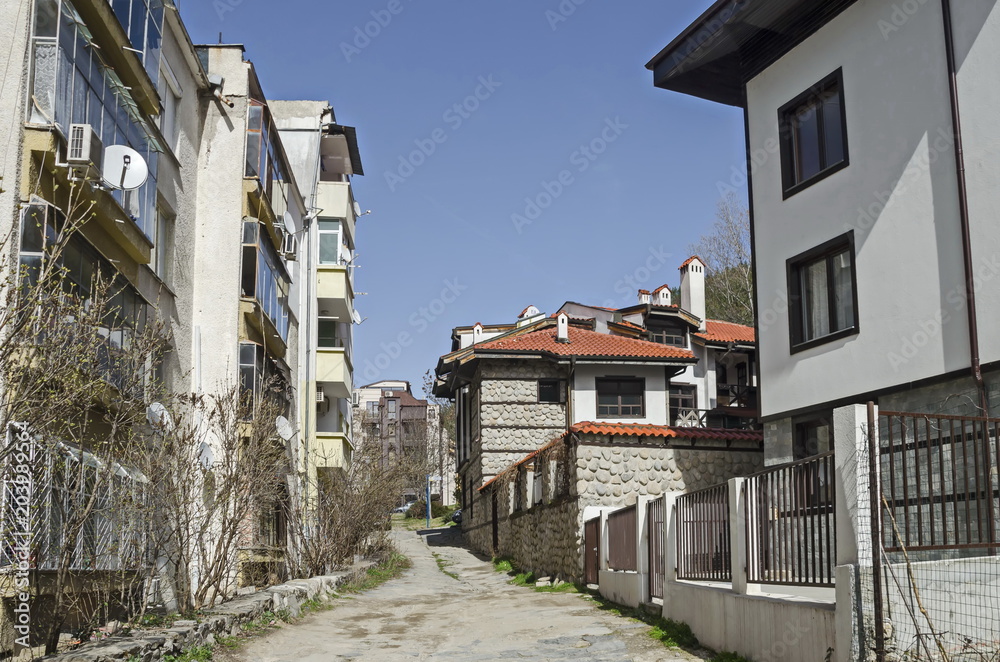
(666, 335)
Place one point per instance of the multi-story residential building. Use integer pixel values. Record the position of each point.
(870, 151)
(324, 156)
(652, 365)
(407, 428)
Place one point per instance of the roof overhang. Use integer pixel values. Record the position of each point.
(339, 150)
(735, 40)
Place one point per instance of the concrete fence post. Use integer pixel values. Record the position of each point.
(669, 546)
(642, 548)
(738, 535)
(855, 543)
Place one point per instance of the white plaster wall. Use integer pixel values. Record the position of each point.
(585, 393)
(977, 28)
(757, 627)
(624, 588)
(909, 254)
(14, 21)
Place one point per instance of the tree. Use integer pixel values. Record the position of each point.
(729, 286)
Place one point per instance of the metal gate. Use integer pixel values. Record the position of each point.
(654, 533)
(592, 550)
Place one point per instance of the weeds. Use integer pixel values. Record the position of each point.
(196, 654)
(442, 565)
(392, 567)
(673, 634)
(727, 656)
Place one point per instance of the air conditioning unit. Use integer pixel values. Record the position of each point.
(320, 396)
(85, 151)
(290, 247)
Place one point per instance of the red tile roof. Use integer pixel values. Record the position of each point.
(719, 331)
(643, 291)
(524, 460)
(690, 260)
(586, 343)
(661, 288)
(667, 432)
(629, 325)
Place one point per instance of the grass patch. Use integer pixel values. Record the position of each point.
(392, 567)
(673, 634)
(503, 565)
(528, 579)
(727, 656)
(442, 565)
(196, 654)
(263, 622)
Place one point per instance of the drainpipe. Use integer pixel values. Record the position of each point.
(963, 204)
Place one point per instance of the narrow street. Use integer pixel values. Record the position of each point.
(429, 615)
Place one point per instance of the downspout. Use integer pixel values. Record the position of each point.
(753, 255)
(963, 208)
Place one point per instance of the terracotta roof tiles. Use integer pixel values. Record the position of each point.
(719, 331)
(667, 432)
(584, 343)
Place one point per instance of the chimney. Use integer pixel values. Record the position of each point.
(477, 334)
(662, 296)
(645, 298)
(562, 328)
(693, 288)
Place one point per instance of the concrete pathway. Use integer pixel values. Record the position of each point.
(428, 615)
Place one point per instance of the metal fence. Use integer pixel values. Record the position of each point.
(654, 535)
(704, 547)
(938, 481)
(791, 524)
(622, 540)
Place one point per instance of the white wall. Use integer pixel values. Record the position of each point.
(909, 254)
(585, 393)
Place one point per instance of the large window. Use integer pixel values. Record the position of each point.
(822, 294)
(683, 397)
(143, 22)
(668, 335)
(620, 397)
(163, 245)
(813, 135)
(329, 241)
(329, 337)
(71, 84)
(264, 158)
(264, 277)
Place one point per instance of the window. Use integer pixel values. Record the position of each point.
(812, 437)
(170, 96)
(683, 397)
(620, 397)
(551, 391)
(813, 135)
(390, 406)
(251, 369)
(264, 160)
(328, 336)
(823, 294)
(163, 245)
(668, 336)
(329, 241)
(264, 277)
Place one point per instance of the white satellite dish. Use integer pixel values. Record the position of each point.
(289, 221)
(124, 168)
(357, 210)
(284, 427)
(159, 418)
(205, 456)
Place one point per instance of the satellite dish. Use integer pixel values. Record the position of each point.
(357, 210)
(124, 168)
(205, 456)
(289, 221)
(284, 427)
(159, 418)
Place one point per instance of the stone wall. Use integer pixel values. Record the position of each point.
(547, 538)
(221, 621)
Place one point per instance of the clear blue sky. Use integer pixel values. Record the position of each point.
(447, 224)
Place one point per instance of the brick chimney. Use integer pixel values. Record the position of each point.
(693, 288)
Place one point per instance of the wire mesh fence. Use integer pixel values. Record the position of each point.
(931, 574)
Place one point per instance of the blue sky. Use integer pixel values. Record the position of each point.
(539, 163)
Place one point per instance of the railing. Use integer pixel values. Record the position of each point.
(791, 524)
(703, 538)
(686, 417)
(938, 481)
(655, 511)
(737, 395)
(622, 540)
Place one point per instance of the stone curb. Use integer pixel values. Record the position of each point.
(220, 621)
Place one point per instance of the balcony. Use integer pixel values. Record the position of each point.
(721, 418)
(334, 292)
(736, 396)
(337, 202)
(333, 372)
(333, 450)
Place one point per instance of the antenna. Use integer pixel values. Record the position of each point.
(124, 168)
(284, 427)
